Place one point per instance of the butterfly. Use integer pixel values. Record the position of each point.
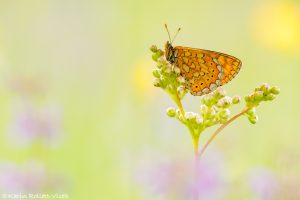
(203, 70)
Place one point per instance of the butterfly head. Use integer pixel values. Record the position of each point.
(169, 52)
(169, 49)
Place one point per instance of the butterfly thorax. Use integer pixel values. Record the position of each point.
(170, 53)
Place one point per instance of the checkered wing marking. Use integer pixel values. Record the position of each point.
(205, 70)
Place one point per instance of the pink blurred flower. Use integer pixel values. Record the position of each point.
(264, 183)
(32, 177)
(32, 124)
(177, 178)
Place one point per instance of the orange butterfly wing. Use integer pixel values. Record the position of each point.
(205, 70)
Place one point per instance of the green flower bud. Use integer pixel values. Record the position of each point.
(224, 114)
(253, 119)
(156, 73)
(236, 99)
(156, 82)
(257, 89)
(252, 98)
(171, 112)
(265, 87)
(155, 56)
(251, 112)
(247, 98)
(160, 52)
(270, 97)
(258, 96)
(153, 48)
(275, 90)
(159, 65)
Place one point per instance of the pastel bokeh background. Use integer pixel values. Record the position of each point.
(80, 116)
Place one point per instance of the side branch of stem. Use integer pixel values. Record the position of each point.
(221, 128)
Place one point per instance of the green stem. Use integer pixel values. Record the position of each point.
(221, 128)
(179, 104)
(194, 136)
(196, 145)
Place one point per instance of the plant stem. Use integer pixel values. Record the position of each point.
(179, 104)
(196, 146)
(195, 138)
(177, 100)
(196, 166)
(221, 128)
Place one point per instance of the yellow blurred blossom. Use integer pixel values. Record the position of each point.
(142, 79)
(277, 25)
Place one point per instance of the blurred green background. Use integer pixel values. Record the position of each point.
(80, 116)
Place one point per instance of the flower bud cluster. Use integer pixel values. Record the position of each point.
(264, 92)
(167, 76)
(191, 119)
(252, 116)
(215, 107)
(214, 110)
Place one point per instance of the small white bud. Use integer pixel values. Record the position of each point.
(203, 108)
(180, 79)
(227, 112)
(190, 115)
(156, 82)
(220, 92)
(199, 119)
(176, 70)
(225, 102)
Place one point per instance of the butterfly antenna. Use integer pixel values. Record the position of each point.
(168, 32)
(176, 35)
